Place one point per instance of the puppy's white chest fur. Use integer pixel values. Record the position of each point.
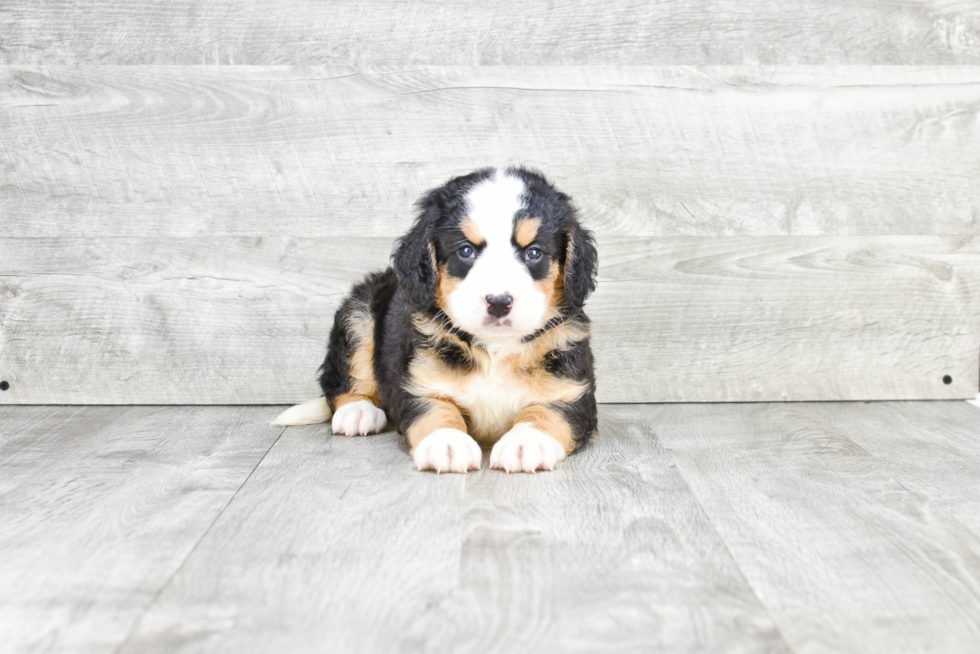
(493, 395)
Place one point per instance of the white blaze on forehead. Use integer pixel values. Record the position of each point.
(492, 203)
(491, 206)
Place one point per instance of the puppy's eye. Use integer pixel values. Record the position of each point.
(467, 252)
(532, 254)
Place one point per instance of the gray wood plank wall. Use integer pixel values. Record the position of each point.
(328, 151)
(394, 32)
(182, 233)
(244, 320)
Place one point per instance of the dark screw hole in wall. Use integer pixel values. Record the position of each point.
(4, 385)
(947, 379)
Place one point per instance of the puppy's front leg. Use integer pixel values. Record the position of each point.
(539, 439)
(439, 440)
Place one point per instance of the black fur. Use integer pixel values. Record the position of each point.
(453, 356)
(416, 253)
(374, 294)
(576, 363)
(582, 264)
(577, 245)
(408, 289)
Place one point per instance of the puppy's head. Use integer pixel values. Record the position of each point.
(499, 251)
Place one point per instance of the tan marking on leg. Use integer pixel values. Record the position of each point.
(348, 398)
(550, 422)
(526, 231)
(360, 325)
(440, 415)
(471, 231)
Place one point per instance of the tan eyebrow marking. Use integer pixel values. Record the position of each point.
(471, 232)
(526, 231)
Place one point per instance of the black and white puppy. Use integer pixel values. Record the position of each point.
(476, 335)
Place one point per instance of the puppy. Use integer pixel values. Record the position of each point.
(476, 335)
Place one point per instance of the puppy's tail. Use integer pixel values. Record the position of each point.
(307, 413)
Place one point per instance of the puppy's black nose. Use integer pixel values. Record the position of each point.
(498, 306)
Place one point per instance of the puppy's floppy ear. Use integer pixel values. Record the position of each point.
(415, 256)
(581, 263)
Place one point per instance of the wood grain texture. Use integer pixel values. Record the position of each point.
(844, 557)
(341, 151)
(339, 545)
(768, 319)
(245, 320)
(100, 506)
(172, 321)
(687, 528)
(935, 457)
(503, 32)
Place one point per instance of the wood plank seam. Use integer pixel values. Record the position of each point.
(714, 528)
(828, 458)
(156, 596)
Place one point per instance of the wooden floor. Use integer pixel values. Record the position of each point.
(824, 527)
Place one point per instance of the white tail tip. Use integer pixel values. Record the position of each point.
(307, 413)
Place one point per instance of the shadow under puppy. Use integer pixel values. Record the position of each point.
(475, 336)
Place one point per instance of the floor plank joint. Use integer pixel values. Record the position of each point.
(156, 596)
(780, 527)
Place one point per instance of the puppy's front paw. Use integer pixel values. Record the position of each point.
(448, 450)
(358, 419)
(526, 449)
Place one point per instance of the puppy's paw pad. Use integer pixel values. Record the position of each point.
(358, 419)
(448, 450)
(526, 449)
